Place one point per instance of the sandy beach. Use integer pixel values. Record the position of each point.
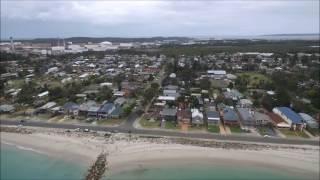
(141, 152)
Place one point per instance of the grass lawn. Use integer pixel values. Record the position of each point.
(263, 130)
(171, 125)
(291, 133)
(110, 121)
(236, 129)
(315, 132)
(16, 83)
(149, 124)
(213, 129)
(255, 79)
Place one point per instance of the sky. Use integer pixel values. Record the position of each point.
(143, 18)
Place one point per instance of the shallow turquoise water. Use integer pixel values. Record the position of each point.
(17, 164)
(203, 173)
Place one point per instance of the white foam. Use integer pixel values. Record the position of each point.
(22, 147)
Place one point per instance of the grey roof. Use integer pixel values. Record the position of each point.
(116, 112)
(171, 87)
(245, 114)
(261, 116)
(309, 120)
(70, 106)
(120, 100)
(85, 106)
(94, 108)
(6, 108)
(213, 114)
(229, 114)
(168, 112)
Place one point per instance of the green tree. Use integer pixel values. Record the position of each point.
(27, 93)
(205, 84)
(56, 93)
(105, 93)
(230, 86)
(149, 94)
(155, 86)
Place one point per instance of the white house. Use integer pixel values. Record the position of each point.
(197, 117)
(217, 74)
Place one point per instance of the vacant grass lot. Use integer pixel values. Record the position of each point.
(290, 133)
(171, 125)
(110, 121)
(149, 124)
(255, 80)
(213, 129)
(265, 131)
(236, 129)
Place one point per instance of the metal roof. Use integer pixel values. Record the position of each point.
(293, 116)
(229, 114)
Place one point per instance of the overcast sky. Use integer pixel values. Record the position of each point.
(47, 18)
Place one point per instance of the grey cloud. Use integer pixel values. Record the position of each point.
(147, 18)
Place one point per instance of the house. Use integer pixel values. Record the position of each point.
(6, 108)
(246, 116)
(233, 94)
(245, 103)
(171, 87)
(105, 110)
(47, 106)
(211, 106)
(277, 121)
(116, 113)
(169, 114)
(310, 122)
(184, 116)
(166, 98)
(43, 94)
(230, 116)
(292, 118)
(120, 101)
(261, 118)
(197, 117)
(93, 111)
(171, 93)
(119, 93)
(216, 74)
(70, 108)
(213, 117)
(84, 107)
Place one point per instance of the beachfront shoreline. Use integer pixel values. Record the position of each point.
(125, 153)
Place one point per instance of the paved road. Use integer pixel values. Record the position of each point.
(124, 129)
(128, 124)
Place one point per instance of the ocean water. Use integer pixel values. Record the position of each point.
(202, 173)
(22, 164)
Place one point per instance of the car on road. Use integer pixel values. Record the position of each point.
(114, 131)
(86, 130)
(22, 121)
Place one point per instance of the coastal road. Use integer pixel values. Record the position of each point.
(146, 132)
